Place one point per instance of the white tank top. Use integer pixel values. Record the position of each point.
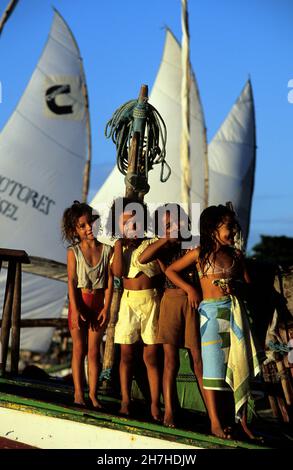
(91, 277)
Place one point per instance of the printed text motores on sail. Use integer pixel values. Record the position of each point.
(14, 193)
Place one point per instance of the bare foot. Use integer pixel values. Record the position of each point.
(124, 409)
(169, 420)
(79, 400)
(95, 402)
(156, 413)
(249, 433)
(218, 431)
(79, 405)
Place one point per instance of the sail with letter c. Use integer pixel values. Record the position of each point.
(42, 158)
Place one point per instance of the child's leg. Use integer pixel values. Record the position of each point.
(197, 368)
(245, 427)
(212, 402)
(77, 362)
(126, 372)
(150, 353)
(94, 341)
(171, 367)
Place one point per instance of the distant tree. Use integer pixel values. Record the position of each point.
(276, 250)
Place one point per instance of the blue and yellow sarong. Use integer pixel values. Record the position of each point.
(229, 354)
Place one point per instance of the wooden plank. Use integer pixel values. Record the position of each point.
(8, 255)
(7, 312)
(38, 322)
(16, 313)
(45, 268)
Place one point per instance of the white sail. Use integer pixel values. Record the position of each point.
(232, 154)
(166, 98)
(42, 159)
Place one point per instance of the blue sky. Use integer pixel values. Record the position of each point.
(121, 43)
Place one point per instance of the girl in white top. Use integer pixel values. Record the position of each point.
(90, 288)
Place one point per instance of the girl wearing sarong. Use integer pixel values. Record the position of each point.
(178, 322)
(228, 349)
(90, 288)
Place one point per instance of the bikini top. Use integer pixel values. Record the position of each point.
(222, 272)
(91, 277)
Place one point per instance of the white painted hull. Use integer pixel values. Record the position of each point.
(47, 432)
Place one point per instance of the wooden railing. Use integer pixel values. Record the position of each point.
(12, 306)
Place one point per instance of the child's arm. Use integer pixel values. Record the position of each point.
(117, 265)
(72, 289)
(244, 287)
(103, 315)
(151, 252)
(194, 295)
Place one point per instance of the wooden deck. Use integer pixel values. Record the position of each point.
(34, 400)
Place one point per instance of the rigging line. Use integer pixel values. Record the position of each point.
(80, 157)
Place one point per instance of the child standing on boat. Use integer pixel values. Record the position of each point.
(228, 350)
(178, 320)
(90, 290)
(140, 302)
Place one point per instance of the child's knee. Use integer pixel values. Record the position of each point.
(79, 351)
(127, 358)
(93, 354)
(150, 358)
(171, 362)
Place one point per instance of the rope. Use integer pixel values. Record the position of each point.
(120, 129)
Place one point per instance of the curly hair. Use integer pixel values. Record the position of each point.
(118, 207)
(210, 220)
(70, 218)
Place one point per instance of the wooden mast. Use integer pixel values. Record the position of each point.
(185, 114)
(9, 9)
(134, 183)
(87, 168)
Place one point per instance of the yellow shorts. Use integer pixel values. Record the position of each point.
(138, 317)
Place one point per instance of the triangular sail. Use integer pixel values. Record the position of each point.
(232, 155)
(166, 98)
(42, 159)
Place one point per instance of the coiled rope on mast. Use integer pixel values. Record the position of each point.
(120, 129)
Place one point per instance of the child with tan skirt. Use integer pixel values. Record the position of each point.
(178, 320)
